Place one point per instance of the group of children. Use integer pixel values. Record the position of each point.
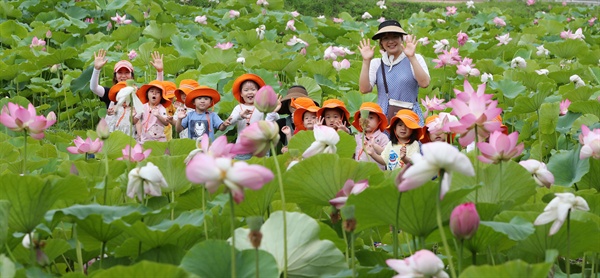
(188, 108)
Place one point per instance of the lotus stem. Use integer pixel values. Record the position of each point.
(567, 260)
(395, 227)
(476, 166)
(441, 225)
(283, 207)
(204, 211)
(353, 254)
(78, 249)
(105, 174)
(24, 160)
(256, 262)
(347, 255)
(461, 244)
(232, 206)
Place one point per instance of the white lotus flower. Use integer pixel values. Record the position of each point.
(542, 72)
(470, 4)
(540, 172)
(485, 77)
(558, 209)
(541, 51)
(147, 178)
(325, 140)
(518, 62)
(577, 80)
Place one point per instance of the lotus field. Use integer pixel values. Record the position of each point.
(77, 200)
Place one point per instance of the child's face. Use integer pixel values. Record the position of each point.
(183, 96)
(373, 122)
(154, 95)
(402, 131)
(440, 137)
(249, 89)
(123, 74)
(332, 117)
(202, 103)
(309, 119)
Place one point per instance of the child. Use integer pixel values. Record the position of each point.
(288, 109)
(185, 87)
(154, 118)
(169, 94)
(371, 145)
(432, 131)
(304, 119)
(201, 121)
(334, 114)
(118, 117)
(405, 133)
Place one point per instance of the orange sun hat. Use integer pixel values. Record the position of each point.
(299, 116)
(237, 85)
(334, 103)
(371, 107)
(114, 90)
(302, 102)
(202, 91)
(185, 87)
(142, 92)
(170, 88)
(409, 118)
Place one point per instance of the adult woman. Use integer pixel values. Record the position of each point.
(400, 71)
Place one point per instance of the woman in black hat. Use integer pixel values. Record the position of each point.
(399, 73)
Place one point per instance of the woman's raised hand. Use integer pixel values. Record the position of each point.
(409, 46)
(100, 59)
(366, 50)
(157, 61)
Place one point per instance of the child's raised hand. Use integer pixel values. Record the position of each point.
(181, 113)
(278, 104)
(155, 112)
(319, 121)
(110, 111)
(157, 61)
(369, 148)
(284, 149)
(402, 152)
(227, 122)
(341, 126)
(100, 59)
(246, 114)
(286, 130)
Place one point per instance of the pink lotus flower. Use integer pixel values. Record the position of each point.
(290, 25)
(535, 22)
(467, 68)
(132, 54)
(233, 14)
(441, 45)
(578, 35)
(303, 51)
(450, 10)
(464, 221)
(433, 104)
(381, 19)
(530, 2)
(558, 210)
(367, 15)
(224, 46)
(87, 146)
(504, 39)
(265, 99)
(462, 38)
(295, 13)
(218, 148)
(146, 180)
(592, 20)
(499, 22)
(200, 19)
(436, 156)
(214, 171)
(329, 54)
(137, 153)
(500, 148)
(89, 20)
(564, 107)
(344, 64)
(37, 42)
(350, 187)
(109, 26)
(564, 3)
(424, 40)
(473, 109)
(337, 20)
(121, 20)
(422, 263)
(447, 58)
(17, 118)
(262, 2)
(590, 141)
(48, 34)
(540, 172)
(102, 129)
(325, 140)
(257, 138)
(436, 126)
(295, 40)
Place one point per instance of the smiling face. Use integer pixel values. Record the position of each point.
(123, 74)
(202, 103)
(390, 43)
(402, 132)
(248, 90)
(309, 119)
(332, 117)
(373, 122)
(154, 96)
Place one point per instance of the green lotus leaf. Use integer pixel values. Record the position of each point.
(143, 269)
(566, 49)
(320, 67)
(215, 80)
(186, 47)
(212, 258)
(526, 104)
(586, 107)
(567, 167)
(488, 237)
(174, 65)
(8, 29)
(592, 178)
(515, 268)
(414, 209)
(292, 68)
(126, 34)
(549, 117)
(8, 72)
(302, 141)
(4, 214)
(312, 87)
(531, 79)
(509, 88)
(217, 56)
(161, 32)
(576, 95)
(9, 10)
(331, 32)
(173, 169)
(275, 64)
(115, 144)
(308, 256)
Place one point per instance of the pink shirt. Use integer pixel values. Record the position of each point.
(152, 128)
(378, 138)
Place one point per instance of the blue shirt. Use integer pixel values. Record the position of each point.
(199, 124)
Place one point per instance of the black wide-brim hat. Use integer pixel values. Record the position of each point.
(389, 26)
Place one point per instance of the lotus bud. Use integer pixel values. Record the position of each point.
(255, 236)
(54, 68)
(49, 34)
(464, 221)
(257, 138)
(335, 215)
(349, 220)
(102, 129)
(266, 99)
(364, 119)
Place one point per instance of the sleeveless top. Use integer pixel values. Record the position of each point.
(402, 86)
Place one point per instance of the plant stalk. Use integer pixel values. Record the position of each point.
(441, 226)
(232, 206)
(283, 208)
(567, 257)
